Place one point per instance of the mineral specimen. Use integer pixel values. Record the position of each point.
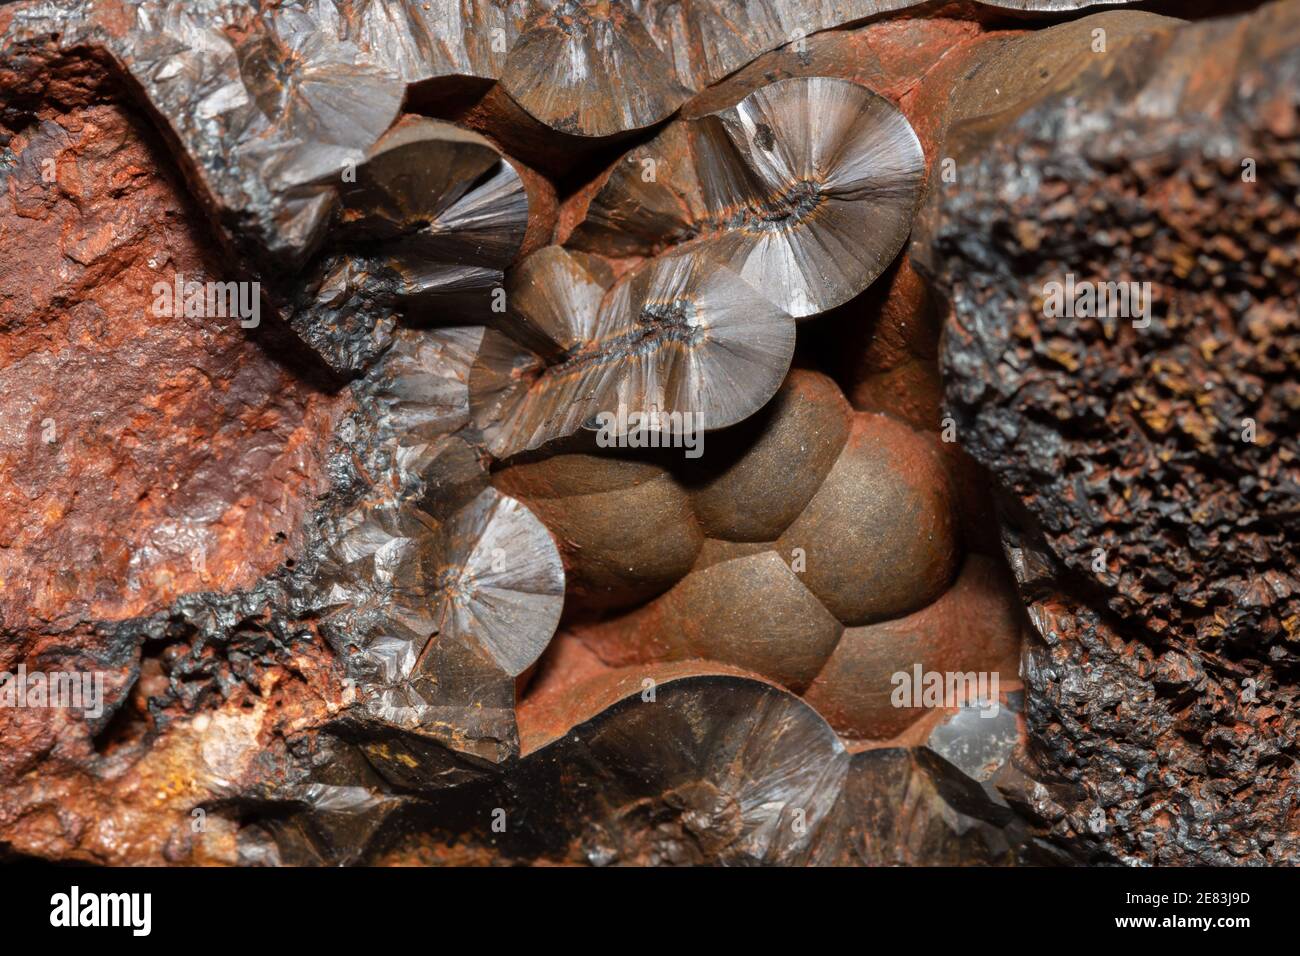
(474, 432)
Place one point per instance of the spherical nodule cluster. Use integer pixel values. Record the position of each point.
(814, 545)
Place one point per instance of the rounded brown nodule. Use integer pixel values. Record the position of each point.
(625, 526)
(975, 626)
(754, 613)
(750, 612)
(879, 538)
(760, 474)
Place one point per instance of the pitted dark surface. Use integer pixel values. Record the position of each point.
(1153, 469)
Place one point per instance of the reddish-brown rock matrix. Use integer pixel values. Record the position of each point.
(142, 455)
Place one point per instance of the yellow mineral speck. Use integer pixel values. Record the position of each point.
(1064, 359)
(1158, 421)
(1029, 235)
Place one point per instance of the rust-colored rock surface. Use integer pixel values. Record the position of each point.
(145, 455)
